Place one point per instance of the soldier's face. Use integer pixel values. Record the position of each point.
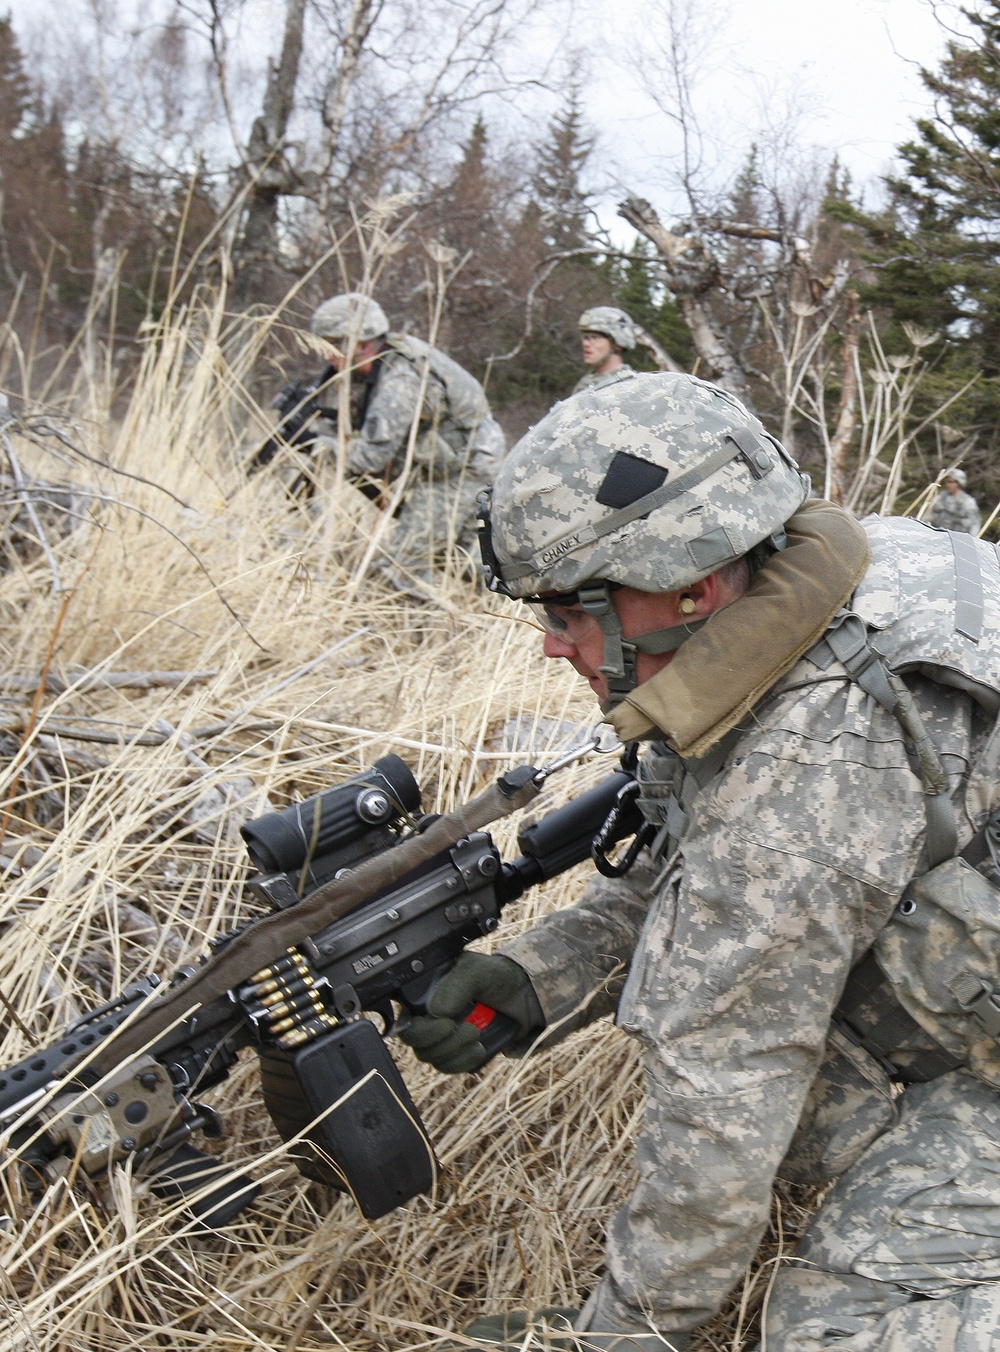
(581, 641)
(953, 486)
(365, 355)
(597, 348)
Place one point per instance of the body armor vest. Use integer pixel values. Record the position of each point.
(927, 997)
(931, 601)
(455, 399)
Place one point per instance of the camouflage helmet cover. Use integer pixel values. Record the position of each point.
(352, 315)
(959, 475)
(652, 481)
(612, 322)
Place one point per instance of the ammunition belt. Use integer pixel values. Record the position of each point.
(285, 1003)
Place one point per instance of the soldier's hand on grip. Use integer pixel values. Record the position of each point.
(454, 1034)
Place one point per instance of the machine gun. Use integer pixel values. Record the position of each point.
(368, 904)
(297, 405)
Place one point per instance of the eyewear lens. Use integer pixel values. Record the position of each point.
(560, 620)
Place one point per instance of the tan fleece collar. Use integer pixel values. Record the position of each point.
(726, 667)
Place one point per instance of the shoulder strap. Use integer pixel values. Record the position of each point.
(847, 640)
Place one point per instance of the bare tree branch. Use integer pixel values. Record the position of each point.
(659, 354)
(689, 290)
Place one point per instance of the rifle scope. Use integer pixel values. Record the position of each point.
(330, 822)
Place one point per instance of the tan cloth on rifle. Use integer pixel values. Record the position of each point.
(725, 668)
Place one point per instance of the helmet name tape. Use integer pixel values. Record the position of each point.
(628, 479)
(564, 546)
(729, 450)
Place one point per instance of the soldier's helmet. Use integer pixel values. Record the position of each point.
(652, 481)
(351, 315)
(612, 322)
(959, 475)
(647, 481)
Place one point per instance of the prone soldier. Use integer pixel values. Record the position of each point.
(812, 953)
(398, 383)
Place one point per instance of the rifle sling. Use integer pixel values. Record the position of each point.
(265, 940)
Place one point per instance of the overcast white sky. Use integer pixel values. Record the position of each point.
(859, 60)
(840, 77)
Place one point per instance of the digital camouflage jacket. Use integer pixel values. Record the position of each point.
(956, 511)
(785, 852)
(590, 379)
(456, 433)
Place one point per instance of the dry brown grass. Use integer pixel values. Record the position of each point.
(122, 855)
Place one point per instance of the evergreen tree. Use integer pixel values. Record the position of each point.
(471, 215)
(32, 171)
(934, 251)
(555, 222)
(936, 246)
(15, 87)
(561, 201)
(467, 205)
(745, 197)
(470, 181)
(652, 307)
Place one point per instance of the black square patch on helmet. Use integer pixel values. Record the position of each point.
(628, 479)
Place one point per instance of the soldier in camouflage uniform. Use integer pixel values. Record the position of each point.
(606, 332)
(784, 969)
(955, 509)
(400, 383)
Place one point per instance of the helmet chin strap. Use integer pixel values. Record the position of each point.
(620, 653)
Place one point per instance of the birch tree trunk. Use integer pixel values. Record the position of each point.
(690, 276)
(267, 167)
(847, 415)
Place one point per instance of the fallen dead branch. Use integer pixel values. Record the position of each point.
(81, 680)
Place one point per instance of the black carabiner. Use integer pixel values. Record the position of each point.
(609, 835)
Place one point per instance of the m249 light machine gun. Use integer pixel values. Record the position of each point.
(369, 904)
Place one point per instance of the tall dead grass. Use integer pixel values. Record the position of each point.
(207, 650)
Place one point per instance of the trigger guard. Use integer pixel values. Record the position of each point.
(391, 1021)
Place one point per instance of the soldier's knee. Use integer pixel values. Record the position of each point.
(813, 1311)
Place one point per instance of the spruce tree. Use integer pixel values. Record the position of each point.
(467, 201)
(563, 203)
(15, 87)
(470, 215)
(936, 247)
(934, 250)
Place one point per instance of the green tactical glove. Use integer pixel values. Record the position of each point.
(507, 1331)
(444, 1039)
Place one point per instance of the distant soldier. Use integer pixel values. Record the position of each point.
(955, 509)
(396, 378)
(607, 332)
